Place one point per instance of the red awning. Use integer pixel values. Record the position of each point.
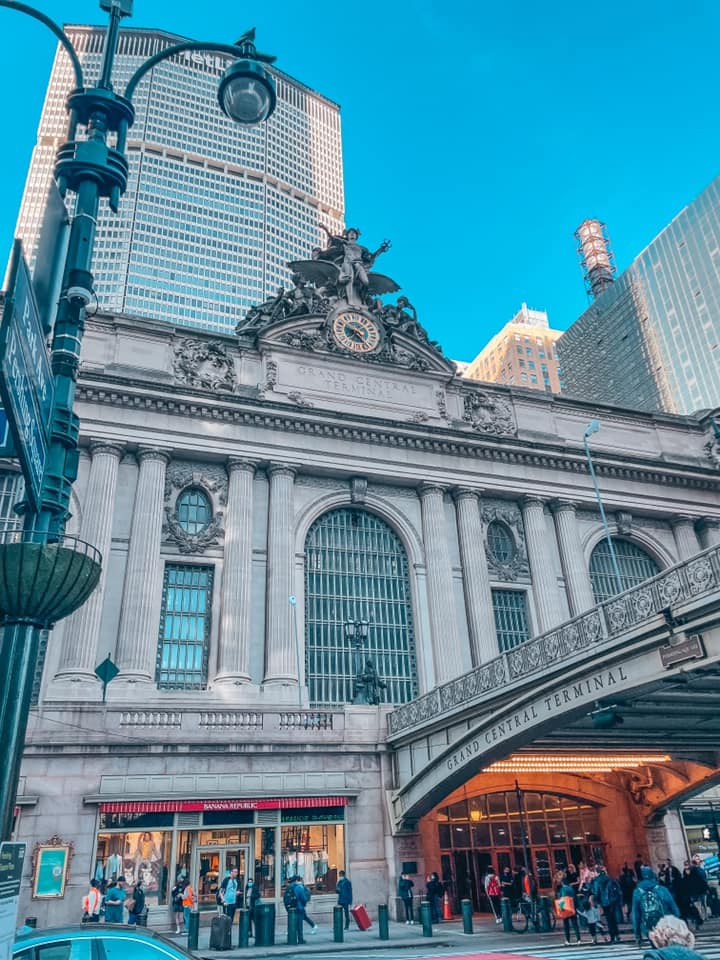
(190, 806)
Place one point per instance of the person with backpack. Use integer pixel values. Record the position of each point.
(136, 903)
(302, 899)
(345, 896)
(607, 893)
(650, 903)
(405, 892)
(494, 893)
(229, 893)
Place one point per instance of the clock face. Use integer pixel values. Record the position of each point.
(355, 332)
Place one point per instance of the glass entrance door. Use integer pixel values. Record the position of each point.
(213, 864)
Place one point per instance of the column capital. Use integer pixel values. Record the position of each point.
(465, 493)
(153, 453)
(532, 500)
(281, 469)
(426, 488)
(238, 463)
(708, 523)
(682, 520)
(110, 447)
(563, 506)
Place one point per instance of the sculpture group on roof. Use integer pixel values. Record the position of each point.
(339, 274)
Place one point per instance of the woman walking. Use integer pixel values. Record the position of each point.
(566, 910)
(176, 898)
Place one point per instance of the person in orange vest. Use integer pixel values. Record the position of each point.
(188, 901)
(91, 903)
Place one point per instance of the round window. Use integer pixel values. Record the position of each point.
(193, 510)
(500, 542)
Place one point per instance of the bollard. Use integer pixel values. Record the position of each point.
(426, 918)
(244, 929)
(466, 910)
(31, 922)
(383, 921)
(543, 914)
(265, 925)
(293, 929)
(338, 924)
(506, 914)
(193, 930)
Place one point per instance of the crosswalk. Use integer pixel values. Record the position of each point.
(707, 947)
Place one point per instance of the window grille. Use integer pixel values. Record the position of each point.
(511, 620)
(184, 627)
(500, 542)
(193, 510)
(356, 568)
(635, 564)
(12, 490)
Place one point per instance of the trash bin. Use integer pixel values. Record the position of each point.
(265, 925)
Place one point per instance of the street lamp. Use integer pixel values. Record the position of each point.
(592, 428)
(356, 633)
(46, 575)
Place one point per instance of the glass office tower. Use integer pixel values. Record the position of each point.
(651, 340)
(213, 210)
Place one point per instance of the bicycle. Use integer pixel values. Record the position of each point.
(526, 911)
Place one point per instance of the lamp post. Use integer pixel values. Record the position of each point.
(592, 428)
(356, 633)
(44, 574)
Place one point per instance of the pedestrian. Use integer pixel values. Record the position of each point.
(91, 903)
(189, 900)
(699, 886)
(650, 902)
(494, 893)
(592, 917)
(405, 892)
(290, 902)
(671, 940)
(434, 891)
(302, 899)
(176, 899)
(685, 891)
(136, 903)
(345, 896)
(627, 885)
(608, 895)
(115, 897)
(252, 895)
(229, 893)
(566, 910)
(508, 888)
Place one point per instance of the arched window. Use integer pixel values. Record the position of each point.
(500, 542)
(193, 510)
(635, 564)
(356, 569)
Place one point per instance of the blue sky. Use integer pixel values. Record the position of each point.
(476, 135)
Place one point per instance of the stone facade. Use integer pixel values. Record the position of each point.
(288, 433)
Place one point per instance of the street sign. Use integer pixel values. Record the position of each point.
(26, 383)
(690, 647)
(12, 857)
(7, 448)
(106, 671)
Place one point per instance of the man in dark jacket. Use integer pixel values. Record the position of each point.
(608, 895)
(651, 901)
(345, 896)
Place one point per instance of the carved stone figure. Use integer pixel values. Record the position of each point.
(368, 685)
(488, 413)
(205, 364)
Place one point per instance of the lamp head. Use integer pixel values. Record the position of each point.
(247, 90)
(349, 629)
(591, 428)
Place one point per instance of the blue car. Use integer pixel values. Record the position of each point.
(95, 941)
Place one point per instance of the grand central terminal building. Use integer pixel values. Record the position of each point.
(318, 513)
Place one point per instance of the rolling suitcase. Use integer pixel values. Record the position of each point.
(220, 933)
(361, 916)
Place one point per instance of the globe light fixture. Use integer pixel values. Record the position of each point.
(246, 93)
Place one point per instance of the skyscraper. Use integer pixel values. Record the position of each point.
(523, 353)
(651, 339)
(213, 211)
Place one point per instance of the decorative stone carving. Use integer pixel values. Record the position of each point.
(418, 417)
(205, 364)
(508, 514)
(624, 522)
(712, 447)
(442, 404)
(298, 398)
(271, 374)
(212, 480)
(488, 413)
(358, 489)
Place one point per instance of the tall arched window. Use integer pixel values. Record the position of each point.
(356, 569)
(636, 565)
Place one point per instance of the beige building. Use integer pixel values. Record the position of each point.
(522, 353)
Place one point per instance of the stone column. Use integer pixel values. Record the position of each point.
(281, 656)
(686, 540)
(476, 579)
(234, 651)
(710, 530)
(78, 657)
(138, 638)
(545, 588)
(443, 625)
(572, 557)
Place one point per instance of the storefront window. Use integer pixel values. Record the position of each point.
(313, 852)
(136, 855)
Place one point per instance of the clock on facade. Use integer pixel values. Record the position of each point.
(356, 332)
